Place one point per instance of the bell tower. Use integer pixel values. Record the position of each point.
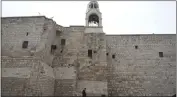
(93, 18)
(92, 71)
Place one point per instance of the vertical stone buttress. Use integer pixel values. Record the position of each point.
(92, 73)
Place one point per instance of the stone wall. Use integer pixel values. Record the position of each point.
(65, 61)
(16, 30)
(121, 65)
(92, 71)
(46, 41)
(26, 76)
(72, 65)
(39, 31)
(137, 69)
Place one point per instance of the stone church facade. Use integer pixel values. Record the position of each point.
(41, 58)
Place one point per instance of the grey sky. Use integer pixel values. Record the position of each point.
(119, 17)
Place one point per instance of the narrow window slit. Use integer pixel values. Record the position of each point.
(113, 56)
(160, 54)
(90, 53)
(25, 44)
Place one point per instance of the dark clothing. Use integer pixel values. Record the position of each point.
(174, 95)
(83, 93)
(103, 95)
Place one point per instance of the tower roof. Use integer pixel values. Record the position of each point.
(93, 4)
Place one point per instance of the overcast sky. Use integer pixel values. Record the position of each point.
(119, 17)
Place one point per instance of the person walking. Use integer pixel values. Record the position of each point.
(84, 93)
(174, 95)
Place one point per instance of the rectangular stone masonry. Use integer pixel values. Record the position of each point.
(65, 73)
(93, 88)
(19, 79)
(64, 87)
(12, 86)
(135, 70)
(16, 72)
(141, 71)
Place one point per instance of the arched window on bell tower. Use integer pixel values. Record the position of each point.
(93, 20)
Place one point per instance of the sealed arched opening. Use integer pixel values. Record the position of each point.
(93, 20)
(95, 5)
(91, 5)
